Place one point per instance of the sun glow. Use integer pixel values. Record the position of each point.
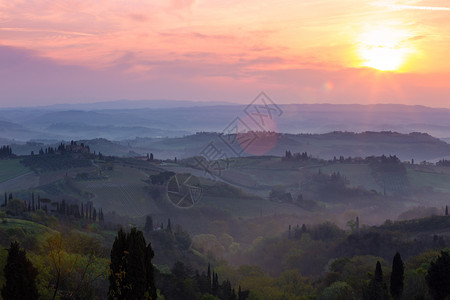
(383, 49)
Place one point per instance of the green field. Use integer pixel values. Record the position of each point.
(421, 178)
(124, 191)
(29, 228)
(11, 168)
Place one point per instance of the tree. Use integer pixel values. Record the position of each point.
(101, 218)
(397, 277)
(20, 275)
(208, 277)
(378, 289)
(131, 269)
(32, 200)
(446, 210)
(3, 216)
(16, 207)
(339, 290)
(151, 156)
(438, 276)
(169, 225)
(148, 227)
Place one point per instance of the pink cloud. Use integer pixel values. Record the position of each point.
(182, 4)
(29, 79)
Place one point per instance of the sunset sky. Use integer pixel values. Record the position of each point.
(322, 51)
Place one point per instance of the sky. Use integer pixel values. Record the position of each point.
(321, 51)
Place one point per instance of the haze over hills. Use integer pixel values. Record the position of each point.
(142, 126)
(129, 119)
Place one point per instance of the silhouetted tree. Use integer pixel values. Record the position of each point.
(397, 276)
(131, 275)
(169, 225)
(208, 277)
(215, 284)
(148, 227)
(101, 218)
(378, 289)
(438, 277)
(32, 200)
(20, 275)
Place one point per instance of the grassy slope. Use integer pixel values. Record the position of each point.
(437, 178)
(123, 192)
(29, 227)
(11, 168)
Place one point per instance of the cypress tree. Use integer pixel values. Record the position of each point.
(438, 276)
(378, 289)
(169, 225)
(397, 276)
(208, 278)
(20, 275)
(215, 284)
(131, 275)
(148, 227)
(446, 210)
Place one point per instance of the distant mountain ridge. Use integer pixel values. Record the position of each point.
(119, 120)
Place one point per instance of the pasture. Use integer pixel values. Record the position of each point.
(11, 168)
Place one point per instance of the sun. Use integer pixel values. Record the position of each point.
(383, 49)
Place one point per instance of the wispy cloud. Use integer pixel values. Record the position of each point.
(18, 29)
(411, 7)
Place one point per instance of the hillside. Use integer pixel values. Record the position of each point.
(180, 118)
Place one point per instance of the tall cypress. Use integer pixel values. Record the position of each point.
(438, 276)
(378, 289)
(397, 277)
(208, 278)
(20, 275)
(148, 227)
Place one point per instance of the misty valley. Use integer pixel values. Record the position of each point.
(205, 213)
